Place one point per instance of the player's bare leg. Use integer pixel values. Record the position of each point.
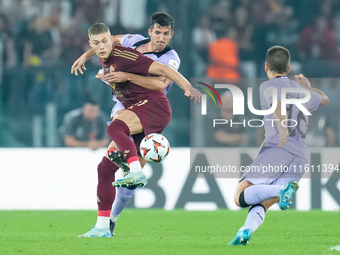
(132, 121)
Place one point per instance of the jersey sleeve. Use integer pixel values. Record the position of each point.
(314, 102)
(129, 40)
(171, 59)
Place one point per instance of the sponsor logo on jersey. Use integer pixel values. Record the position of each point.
(173, 64)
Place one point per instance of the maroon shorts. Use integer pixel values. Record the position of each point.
(154, 113)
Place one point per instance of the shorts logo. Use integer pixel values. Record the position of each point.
(140, 103)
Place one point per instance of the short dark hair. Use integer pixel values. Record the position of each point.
(98, 28)
(278, 59)
(163, 19)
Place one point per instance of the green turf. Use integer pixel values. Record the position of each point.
(168, 232)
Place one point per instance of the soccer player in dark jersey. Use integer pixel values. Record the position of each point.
(156, 47)
(147, 111)
(283, 147)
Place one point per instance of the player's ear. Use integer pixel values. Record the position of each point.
(288, 70)
(266, 68)
(149, 31)
(172, 34)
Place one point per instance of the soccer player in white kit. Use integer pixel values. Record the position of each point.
(283, 147)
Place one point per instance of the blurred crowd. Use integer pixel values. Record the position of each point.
(54, 32)
(40, 40)
(310, 30)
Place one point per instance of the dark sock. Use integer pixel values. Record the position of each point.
(105, 191)
(119, 132)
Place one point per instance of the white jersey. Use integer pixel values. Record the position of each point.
(167, 57)
(296, 142)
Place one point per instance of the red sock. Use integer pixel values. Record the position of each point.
(105, 191)
(119, 133)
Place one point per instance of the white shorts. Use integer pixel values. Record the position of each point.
(116, 108)
(275, 166)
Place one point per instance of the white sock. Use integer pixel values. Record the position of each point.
(103, 222)
(255, 218)
(256, 194)
(135, 166)
(122, 199)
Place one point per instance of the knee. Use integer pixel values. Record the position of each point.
(239, 199)
(239, 193)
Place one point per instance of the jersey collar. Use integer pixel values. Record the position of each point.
(158, 54)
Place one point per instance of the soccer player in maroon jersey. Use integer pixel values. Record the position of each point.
(147, 111)
(156, 47)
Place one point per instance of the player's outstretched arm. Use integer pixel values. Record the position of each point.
(79, 64)
(163, 70)
(152, 83)
(283, 131)
(302, 80)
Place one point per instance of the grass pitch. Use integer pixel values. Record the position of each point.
(168, 232)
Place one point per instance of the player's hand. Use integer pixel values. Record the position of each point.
(302, 80)
(283, 135)
(78, 65)
(193, 94)
(117, 77)
(100, 74)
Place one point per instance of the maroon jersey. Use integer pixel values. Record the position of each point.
(131, 61)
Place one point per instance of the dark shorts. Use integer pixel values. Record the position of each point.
(154, 113)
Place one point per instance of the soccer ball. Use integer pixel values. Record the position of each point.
(154, 147)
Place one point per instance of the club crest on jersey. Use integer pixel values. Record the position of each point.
(112, 84)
